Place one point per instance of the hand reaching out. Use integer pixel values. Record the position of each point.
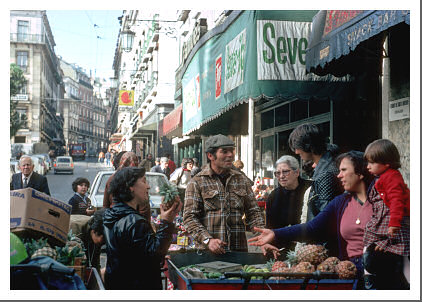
(266, 236)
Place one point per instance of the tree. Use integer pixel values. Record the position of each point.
(17, 81)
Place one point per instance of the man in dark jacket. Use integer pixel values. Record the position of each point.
(308, 141)
(28, 178)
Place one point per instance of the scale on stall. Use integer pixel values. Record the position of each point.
(220, 266)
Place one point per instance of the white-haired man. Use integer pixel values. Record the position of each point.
(27, 178)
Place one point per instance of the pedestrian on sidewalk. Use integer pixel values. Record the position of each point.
(108, 157)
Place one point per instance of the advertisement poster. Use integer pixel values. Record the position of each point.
(235, 62)
(281, 50)
(126, 98)
(218, 71)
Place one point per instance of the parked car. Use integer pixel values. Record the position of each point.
(155, 180)
(39, 166)
(63, 164)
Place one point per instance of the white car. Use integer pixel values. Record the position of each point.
(63, 164)
(155, 180)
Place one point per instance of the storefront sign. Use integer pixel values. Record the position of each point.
(399, 109)
(19, 97)
(336, 18)
(218, 72)
(189, 101)
(235, 62)
(126, 97)
(281, 49)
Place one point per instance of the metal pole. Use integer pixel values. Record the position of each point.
(250, 138)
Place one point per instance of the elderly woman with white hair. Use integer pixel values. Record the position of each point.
(284, 205)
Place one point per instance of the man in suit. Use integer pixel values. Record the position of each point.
(29, 178)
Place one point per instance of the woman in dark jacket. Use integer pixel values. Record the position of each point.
(134, 250)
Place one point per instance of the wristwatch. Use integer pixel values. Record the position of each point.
(206, 241)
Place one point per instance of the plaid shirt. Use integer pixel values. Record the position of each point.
(377, 228)
(213, 210)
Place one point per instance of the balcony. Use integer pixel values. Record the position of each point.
(34, 39)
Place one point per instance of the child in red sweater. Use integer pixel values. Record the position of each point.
(388, 231)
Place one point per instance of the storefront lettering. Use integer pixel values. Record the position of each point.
(287, 49)
(360, 32)
(236, 60)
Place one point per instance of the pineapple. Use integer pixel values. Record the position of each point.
(169, 194)
(328, 265)
(315, 254)
(278, 265)
(304, 267)
(346, 269)
(283, 269)
(45, 251)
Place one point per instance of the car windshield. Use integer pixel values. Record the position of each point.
(154, 181)
(103, 181)
(63, 160)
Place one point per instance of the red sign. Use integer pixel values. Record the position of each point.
(218, 69)
(336, 18)
(198, 91)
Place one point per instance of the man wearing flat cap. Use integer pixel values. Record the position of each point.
(217, 198)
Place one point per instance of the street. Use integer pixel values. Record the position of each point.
(61, 184)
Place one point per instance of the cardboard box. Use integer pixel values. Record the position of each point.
(36, 211)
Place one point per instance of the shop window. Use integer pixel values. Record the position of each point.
(299, 110)
(19, 139)
(267, 156)
(282, 115)
(319, 107)
(267, 120)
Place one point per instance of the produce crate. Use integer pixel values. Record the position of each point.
(177, 260)
(93, 279)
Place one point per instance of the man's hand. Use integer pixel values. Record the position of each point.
(393, 231)
(268, 248)
(267, 236)
(90, 212)
(216, 246)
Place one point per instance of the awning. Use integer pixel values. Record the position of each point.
(172, 122)
(336, 33)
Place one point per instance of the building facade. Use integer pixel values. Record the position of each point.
(32, 49)
(146, 71)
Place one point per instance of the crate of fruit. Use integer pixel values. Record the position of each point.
(192, 270)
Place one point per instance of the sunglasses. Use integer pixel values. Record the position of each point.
(283, 172)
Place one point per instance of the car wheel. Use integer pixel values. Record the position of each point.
(55, 172)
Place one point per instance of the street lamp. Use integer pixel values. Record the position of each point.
(127, 40)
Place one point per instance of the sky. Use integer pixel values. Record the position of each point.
(87, 38)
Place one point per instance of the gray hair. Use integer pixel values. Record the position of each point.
(23, 157)
(291, 161)
(164, 160)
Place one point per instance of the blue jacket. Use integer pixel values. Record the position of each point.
(325, 226)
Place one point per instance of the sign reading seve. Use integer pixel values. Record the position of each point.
(281, 49)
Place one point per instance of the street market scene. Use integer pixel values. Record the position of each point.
(217, 150)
